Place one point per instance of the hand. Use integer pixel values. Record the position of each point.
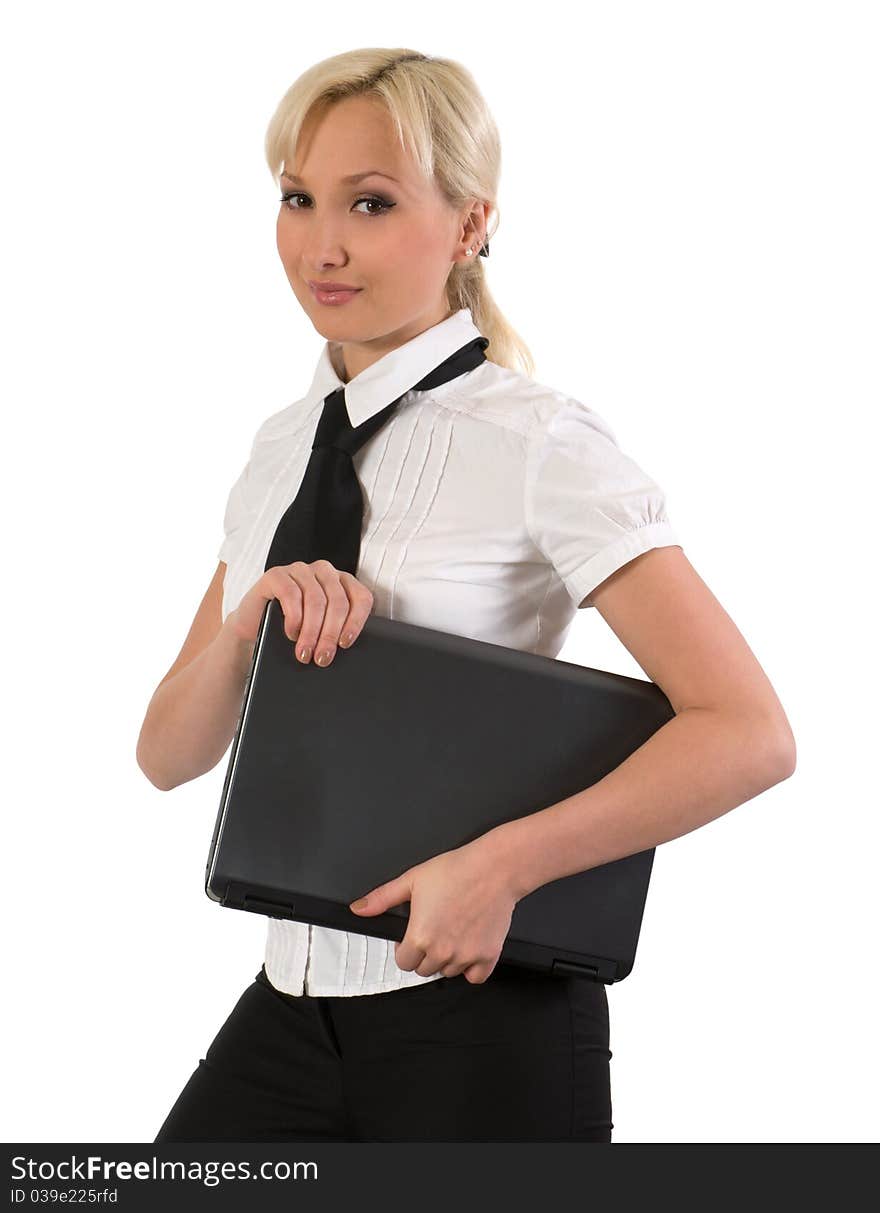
(323, 607)
(461, 907)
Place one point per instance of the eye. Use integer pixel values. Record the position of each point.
(383, 203)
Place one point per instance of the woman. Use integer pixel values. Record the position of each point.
(494, 507)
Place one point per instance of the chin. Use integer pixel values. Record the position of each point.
(334, 332)
(339, 328)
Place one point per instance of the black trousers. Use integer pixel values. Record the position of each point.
(520, 1057)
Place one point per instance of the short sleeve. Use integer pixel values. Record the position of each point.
(235, 514)
(589, 508)
(240, 501)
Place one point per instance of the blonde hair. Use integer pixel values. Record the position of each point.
(443, 121)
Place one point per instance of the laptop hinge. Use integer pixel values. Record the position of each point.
(568, 968)
(261, 905)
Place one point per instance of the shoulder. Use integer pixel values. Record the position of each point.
(284, 422)
(267, 451)
(508, 398)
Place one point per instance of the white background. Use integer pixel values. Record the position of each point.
(689, 243)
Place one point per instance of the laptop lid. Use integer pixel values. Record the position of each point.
(411, 743)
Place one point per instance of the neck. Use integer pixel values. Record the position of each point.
(352, 357)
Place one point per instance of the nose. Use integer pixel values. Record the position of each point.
(323, 247)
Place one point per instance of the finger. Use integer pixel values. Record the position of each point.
(289, 594)
(336, 609)
(274, 583)
(432, 965)
(407, 956)
(360, 605)
(477, 974)
(314, 602)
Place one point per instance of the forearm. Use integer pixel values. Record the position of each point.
(696, 767)
(192, 717)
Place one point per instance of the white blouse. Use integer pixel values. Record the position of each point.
(493, 507)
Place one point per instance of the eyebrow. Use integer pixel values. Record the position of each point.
(372, 172)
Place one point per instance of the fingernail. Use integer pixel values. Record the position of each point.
(347, 639)
(305, 654)
(324, 657)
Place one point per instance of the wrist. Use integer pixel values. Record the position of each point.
(238, 650)
(501, 848)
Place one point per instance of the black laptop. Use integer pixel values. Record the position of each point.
(414, 742)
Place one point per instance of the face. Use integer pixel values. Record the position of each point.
(392, 236)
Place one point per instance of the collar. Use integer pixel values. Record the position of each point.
(395, 372)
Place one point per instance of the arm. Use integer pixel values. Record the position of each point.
(729, 741)
(192, 716)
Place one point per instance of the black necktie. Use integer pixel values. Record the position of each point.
(324, 520)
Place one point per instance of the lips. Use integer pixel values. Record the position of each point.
(331, 294)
